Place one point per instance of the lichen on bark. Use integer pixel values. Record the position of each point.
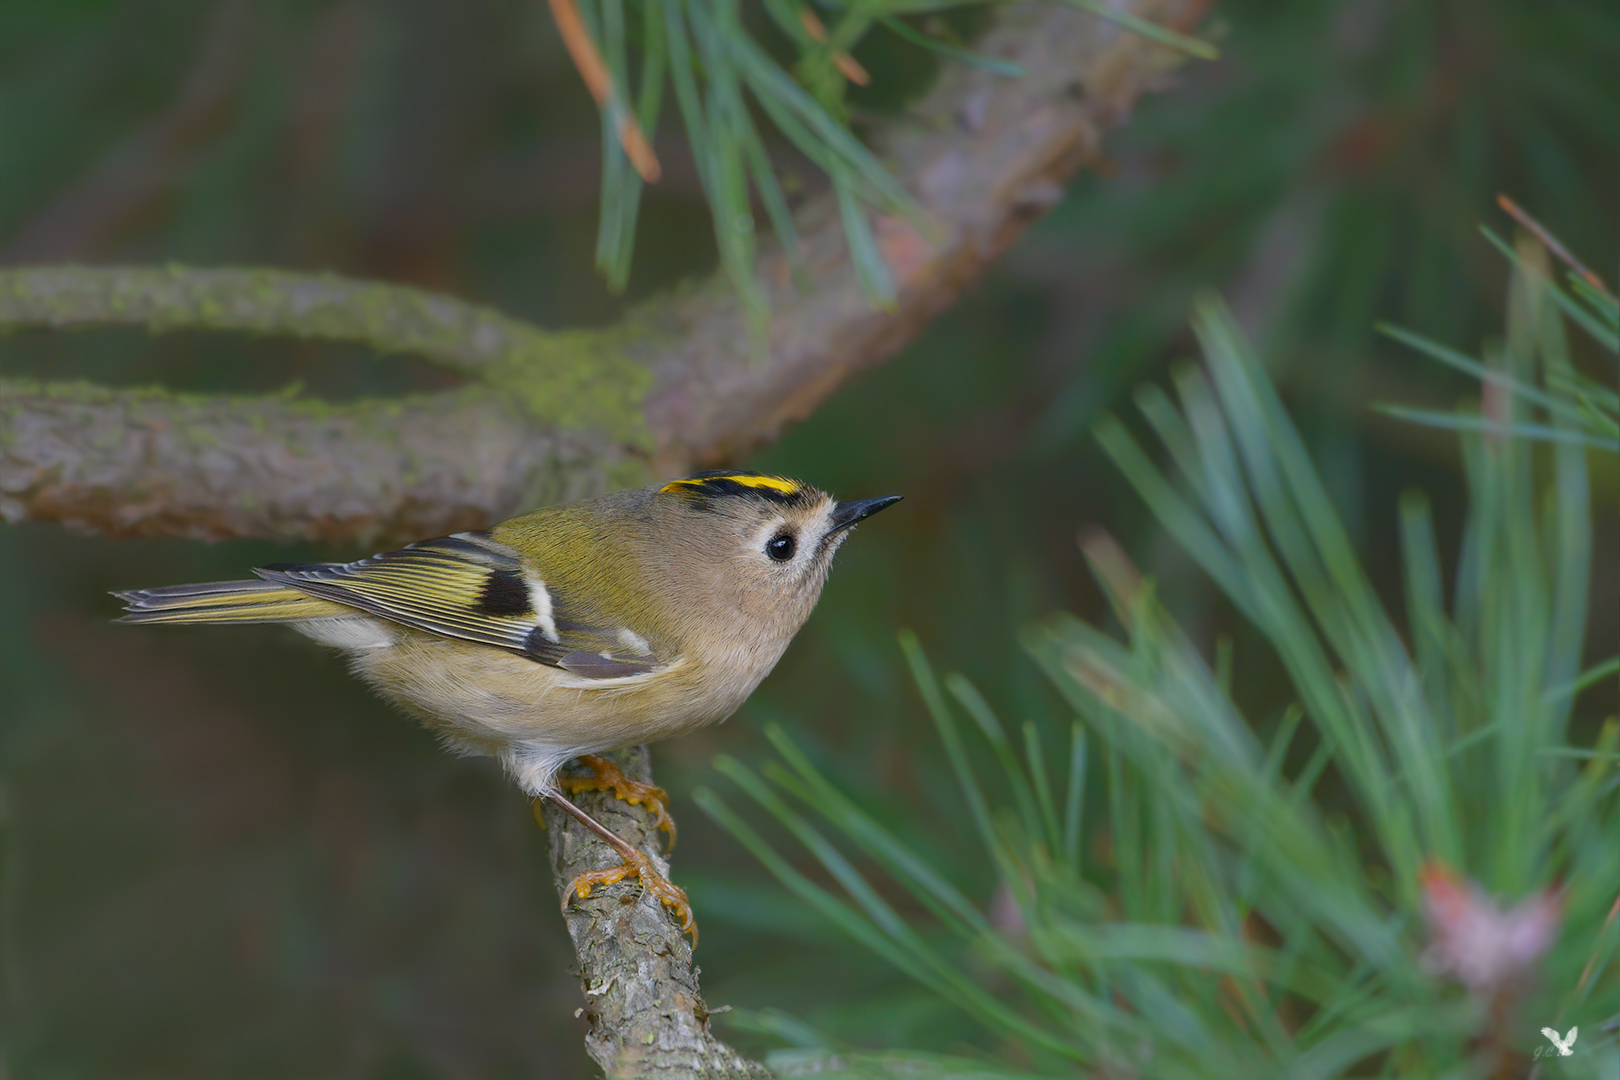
(565, 379)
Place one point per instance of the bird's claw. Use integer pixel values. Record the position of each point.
(609, 777)
(637, 865)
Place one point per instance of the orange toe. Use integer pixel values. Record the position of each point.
(637, 865)
(609, 777)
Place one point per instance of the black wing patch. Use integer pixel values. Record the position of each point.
(505, 593)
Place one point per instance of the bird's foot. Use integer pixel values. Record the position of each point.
(609, 777)
(637, 865)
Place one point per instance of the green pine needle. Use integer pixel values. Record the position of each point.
(1231, 912)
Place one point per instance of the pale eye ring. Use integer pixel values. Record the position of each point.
(781, 546)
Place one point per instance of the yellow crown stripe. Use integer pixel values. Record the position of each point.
(775, 483)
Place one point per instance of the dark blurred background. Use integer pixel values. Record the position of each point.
(220, 856)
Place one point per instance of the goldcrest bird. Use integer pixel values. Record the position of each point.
(568, 631)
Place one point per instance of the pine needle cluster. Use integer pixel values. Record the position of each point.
(1410, 875)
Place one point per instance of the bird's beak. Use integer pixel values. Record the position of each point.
(846, 514)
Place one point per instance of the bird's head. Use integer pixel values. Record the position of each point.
(766, 541)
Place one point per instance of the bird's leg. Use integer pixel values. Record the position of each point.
(635, 865)
(609, 776)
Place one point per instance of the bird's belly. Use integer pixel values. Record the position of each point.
(487, 701)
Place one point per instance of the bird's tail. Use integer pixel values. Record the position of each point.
(225, 602)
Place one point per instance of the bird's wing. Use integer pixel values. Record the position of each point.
(471, 587)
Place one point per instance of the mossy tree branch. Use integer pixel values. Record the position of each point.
(152, 463)
(551, 414)
(326, 307)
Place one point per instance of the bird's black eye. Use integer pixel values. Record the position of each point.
(781, 547)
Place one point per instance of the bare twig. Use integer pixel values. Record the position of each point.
(1517, 213)
(599, 82)
(642, 999)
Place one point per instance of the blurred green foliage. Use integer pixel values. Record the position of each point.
(220, 855)
(1304, 904)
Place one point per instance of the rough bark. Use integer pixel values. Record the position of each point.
(646, 1010)
(675, 386)
(133, 463)
(550, 415)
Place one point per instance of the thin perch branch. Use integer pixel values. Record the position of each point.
(646, 1010)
